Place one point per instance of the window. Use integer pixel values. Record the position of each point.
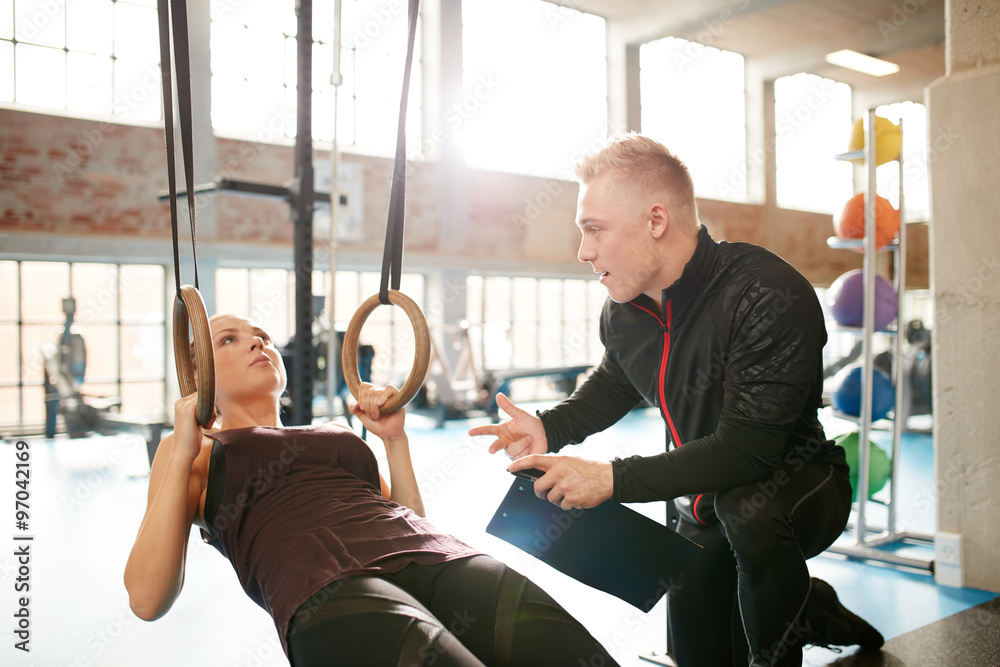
(534, 105)
(91, 56)
(812, 123)
(120, 314)
(520, 322)
(254, 72)
(916, 157)
(693, 102)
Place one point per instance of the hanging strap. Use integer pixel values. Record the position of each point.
(177, 10)
(392, 256)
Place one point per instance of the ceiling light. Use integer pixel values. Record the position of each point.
(859, 62)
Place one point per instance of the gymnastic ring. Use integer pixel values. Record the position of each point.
(188, 302)
(421, 353)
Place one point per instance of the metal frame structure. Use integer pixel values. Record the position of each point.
(867, 541)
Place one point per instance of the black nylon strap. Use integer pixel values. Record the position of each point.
(392, 255)
(177, 10)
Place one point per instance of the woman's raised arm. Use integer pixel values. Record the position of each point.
(154, 573)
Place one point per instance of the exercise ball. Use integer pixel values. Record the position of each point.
(879, 466)
(850, 224)
(847, 395)
(888, 140)
(846, 300)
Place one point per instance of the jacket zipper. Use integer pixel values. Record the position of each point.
(665, 330)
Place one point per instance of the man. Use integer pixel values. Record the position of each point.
(725, 339)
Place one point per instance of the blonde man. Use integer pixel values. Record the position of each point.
(726, 340)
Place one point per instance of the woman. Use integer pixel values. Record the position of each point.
(350, 574)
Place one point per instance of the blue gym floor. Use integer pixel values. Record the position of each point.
(88, 497)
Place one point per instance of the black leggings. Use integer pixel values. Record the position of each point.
(743, 601)
(469, 612)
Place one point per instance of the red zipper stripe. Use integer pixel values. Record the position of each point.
(663, 397)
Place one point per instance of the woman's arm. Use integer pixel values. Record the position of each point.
(154, 573)
(389, 427)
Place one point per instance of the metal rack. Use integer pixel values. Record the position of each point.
(866, 540)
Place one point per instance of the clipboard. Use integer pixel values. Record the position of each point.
(609, 547)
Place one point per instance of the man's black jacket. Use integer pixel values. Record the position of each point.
(731, 356)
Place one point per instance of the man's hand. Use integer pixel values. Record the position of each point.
(569, 482)
(523, 434)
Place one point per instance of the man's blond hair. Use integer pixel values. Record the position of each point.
(641, 171)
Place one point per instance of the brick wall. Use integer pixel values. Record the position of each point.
(73, 177)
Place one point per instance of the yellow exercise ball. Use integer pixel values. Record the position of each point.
(888, 140)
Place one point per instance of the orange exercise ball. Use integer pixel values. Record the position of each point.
(888, 140)
(851, 222)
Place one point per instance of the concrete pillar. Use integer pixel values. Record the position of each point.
(443, 89)
(624, 101)
(964, 158)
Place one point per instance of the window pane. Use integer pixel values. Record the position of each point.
(8, 295)
(550, 300)
(43, 287)
(89, 26)
(524, 344)
(33, 409)
(6, 22)
(232, 292)
(558, 63)
(41, 76)
(709, 135)
(142, 293)
(6, 72)
(89, 80)
(135, 32)
(474, 298)
(137, 88)
(498, 299)
(142, 398)
(142, 351)
(269, 303)
(40, 22)
(33, 338)
(102, 351)
(812, 117)
(8, 354)
(95, 287)
(377, 34)
(550, 344)
(915, 160)
(346, 300)
(10, 405)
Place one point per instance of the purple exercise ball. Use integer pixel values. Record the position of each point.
(846, 300)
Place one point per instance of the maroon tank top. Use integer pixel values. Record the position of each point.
(302, 507)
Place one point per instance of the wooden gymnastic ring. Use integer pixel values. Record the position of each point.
(421, 353)
(188, 303)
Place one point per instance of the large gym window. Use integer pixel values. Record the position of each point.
(91, 56)
(254, 73)
(535, 104)
(119, 313)
(693, 102)
(812, 123)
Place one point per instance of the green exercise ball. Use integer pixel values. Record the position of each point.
(879, 466)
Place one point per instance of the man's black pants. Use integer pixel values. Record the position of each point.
(743, 601)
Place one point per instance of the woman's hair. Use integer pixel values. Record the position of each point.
(641, 171)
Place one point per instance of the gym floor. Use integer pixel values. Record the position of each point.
(88, 496)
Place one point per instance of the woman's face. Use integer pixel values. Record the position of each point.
(247, 365)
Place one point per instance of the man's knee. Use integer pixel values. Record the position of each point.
(750, 513)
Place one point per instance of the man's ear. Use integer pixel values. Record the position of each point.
(659, 220)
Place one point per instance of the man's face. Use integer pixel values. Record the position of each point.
(615, 243)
